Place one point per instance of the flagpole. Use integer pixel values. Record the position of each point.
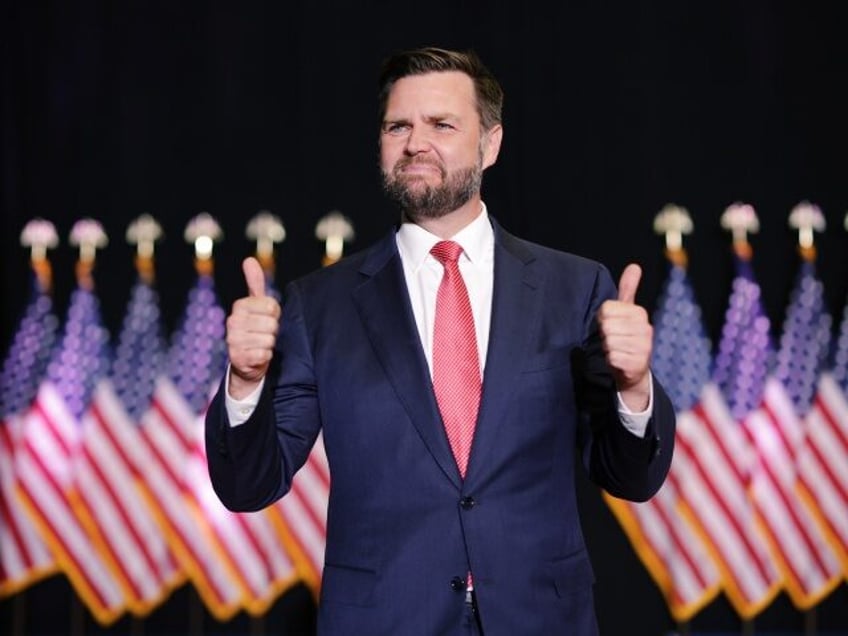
(77, 616)
(810, 622)
(19, 614)
(195, 613)
(136, 626)
(257, 625)
(807, 219)
(741, 219)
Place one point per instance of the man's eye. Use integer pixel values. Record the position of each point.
(443, 125)
(395, 129)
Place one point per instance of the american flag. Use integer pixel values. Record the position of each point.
(822, 454)
(823, 463)
(758, 400)
(24, 557)
(51, 439)
(673, 553)
(106, 468)
(247, 540)
(715, 458)
(234, 560)
(301, 515)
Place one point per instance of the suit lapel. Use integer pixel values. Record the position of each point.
(383, 305)
(515, 301)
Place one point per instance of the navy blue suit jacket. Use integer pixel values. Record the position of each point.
(402, 524)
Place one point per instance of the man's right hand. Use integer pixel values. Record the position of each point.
(251, 332)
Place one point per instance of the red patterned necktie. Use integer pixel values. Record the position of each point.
(456, 362)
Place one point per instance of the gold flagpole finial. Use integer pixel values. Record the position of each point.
(39, 235)
(673, 221)
(807, 219)
(89, 236)
(143, 232)
(334, 229)
(203, 232)
(267, 230)
(741, 219)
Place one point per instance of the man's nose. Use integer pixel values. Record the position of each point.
(418, 140)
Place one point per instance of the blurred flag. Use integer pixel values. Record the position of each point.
(24, 557)
(675, 556)
(234, 560)
(715, 458)
(823, 463)
(106, 468)
(300, 517)
(51, 439)
(758, 400)
(820, 451)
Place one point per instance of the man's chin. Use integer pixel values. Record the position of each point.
(419, 182)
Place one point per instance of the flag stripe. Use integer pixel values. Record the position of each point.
(165, 488)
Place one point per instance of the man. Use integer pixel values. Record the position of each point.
(427, 533)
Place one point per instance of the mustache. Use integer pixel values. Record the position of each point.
(409, 161)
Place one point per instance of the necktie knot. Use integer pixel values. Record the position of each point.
(446, 251)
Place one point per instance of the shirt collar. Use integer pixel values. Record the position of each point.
(476, 239)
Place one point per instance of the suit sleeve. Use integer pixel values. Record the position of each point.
(252, 465)
(623, 464)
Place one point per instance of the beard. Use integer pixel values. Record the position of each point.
(418, 200)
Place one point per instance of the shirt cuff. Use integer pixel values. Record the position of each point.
(238, 411)
(636, 422)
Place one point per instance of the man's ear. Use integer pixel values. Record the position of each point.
(492, 145)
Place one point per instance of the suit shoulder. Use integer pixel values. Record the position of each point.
(559, 259)
(349, 271)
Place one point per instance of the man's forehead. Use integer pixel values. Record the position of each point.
(442, 90)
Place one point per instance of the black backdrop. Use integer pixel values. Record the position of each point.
(612, 110)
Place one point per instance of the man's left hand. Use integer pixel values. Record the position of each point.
(627, 337)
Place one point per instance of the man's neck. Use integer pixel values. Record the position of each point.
(448, 225)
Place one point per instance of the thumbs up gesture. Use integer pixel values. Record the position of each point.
(251, 332)
(627, 338)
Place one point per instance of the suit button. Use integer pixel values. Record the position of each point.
(457, 584)
(467, 503)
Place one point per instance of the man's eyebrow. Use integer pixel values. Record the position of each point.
(441, 117)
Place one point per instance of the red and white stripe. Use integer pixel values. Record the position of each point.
(714, 460)
(127, 533)
(303, 514)
(45, 479)
(671, 551)
(24, 557)
(247, 541)
(166, 445)
(809, 564)
(240, 559)
(823, 463)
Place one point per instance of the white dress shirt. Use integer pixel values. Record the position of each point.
(423, 274)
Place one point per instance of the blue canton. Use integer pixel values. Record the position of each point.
(198, 354)
(745, 350)
(140, 350)
(29, 353)
(805, 340)
(681, 356)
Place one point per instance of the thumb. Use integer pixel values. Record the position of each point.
(254, 276)
(629, 283)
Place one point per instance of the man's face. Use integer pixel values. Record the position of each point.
(432, 154)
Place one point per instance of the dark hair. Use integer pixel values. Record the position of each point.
(431, 59)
